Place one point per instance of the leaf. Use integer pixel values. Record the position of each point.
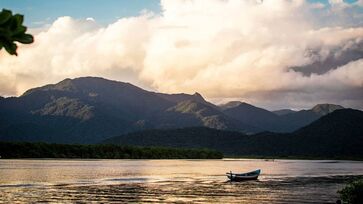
(10, 47)
(13, 24)
(19, 30)
(19, 19)
(5, 15)
(11, 30)
(24, 38)
(5, 33)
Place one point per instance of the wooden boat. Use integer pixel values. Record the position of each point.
(253, 175)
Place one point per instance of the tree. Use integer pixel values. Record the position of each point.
(352, 193)
(12, 30)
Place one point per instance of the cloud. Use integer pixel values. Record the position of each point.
(332, 57)
(274, 53)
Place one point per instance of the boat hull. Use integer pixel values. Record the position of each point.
(253, 175)
(237, 178)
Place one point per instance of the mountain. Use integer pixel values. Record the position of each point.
(90, 109)
(323, 109)
(283, 111)
(82, 110)
(341, 131)
(282, 121)
(335, 135)
(203, 114)
(208, 116)
(293, 121)
(231, 104)
(251, 115)
(177, 98)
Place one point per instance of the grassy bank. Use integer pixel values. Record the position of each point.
(14, 150)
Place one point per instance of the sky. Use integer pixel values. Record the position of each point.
(41, 12)
(271, 53)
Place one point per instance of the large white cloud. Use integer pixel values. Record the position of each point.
(222, 49)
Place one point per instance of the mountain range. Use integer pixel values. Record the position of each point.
(335, 135)
(91, 109)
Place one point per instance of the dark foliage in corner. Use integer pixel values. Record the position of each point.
(12, 30)
(352, 193)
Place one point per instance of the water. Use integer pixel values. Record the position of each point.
(166, 181)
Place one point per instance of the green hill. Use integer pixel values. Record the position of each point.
(336, 135)
(90, 109)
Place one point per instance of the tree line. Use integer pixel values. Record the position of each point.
(12, 150)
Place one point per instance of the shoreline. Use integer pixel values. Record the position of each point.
(222, 159)
(294, 158)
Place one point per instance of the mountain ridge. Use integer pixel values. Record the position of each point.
(283, 111)
(342, 138)
(90, 109)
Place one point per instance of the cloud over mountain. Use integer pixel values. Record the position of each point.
(273, 53)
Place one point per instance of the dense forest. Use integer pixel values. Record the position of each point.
(102, 151)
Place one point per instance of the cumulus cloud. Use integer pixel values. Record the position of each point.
(274, 53)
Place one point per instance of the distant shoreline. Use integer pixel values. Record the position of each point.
(294, 158)
(225, 158)
(27, 150)
(85, 159)
(45, 151)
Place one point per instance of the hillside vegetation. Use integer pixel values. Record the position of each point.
(42, 150)
(337, 135)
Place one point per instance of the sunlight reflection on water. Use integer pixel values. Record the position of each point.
(281, 181)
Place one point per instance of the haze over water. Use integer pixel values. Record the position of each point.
(201, 181)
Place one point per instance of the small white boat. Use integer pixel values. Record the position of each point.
(253, 175)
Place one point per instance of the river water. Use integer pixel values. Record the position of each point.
(169, 181)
